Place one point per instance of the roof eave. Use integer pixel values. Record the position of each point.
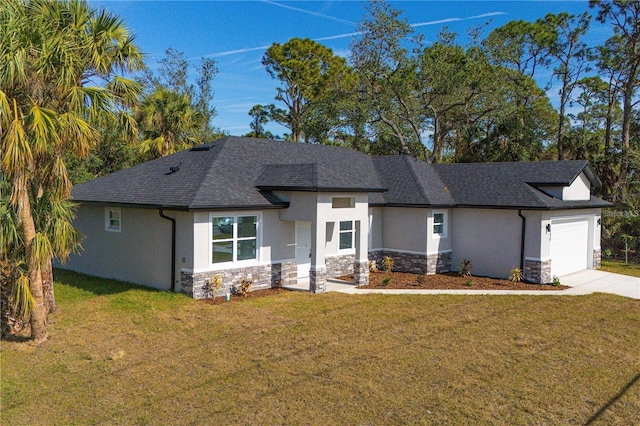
(303, 188)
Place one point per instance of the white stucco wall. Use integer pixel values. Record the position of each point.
(439, 243)
(580, 189)
(490, 238)
(404, 229)
(140, 253)
(375, 228)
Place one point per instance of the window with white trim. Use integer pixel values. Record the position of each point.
(439, 224)
(112, 219)
(234, 238)
(347, 231)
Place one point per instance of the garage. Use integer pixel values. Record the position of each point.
(569, 245)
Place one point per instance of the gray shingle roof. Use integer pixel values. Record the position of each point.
(226, 174)
(513, 185)
(237, 172)
(410, 182)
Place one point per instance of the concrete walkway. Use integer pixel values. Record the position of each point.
(583, 282)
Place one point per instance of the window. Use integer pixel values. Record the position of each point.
(439, 225)
(234, 238)
(112, 219)
(343, 202)
(346, 235)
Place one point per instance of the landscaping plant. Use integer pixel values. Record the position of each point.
(244, 287)
(387, 263)
(516, 275)
(465, 267)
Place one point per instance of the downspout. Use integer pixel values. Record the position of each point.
(522, 235)
(173, 248)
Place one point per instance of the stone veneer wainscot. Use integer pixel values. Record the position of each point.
(414, 263)
(263, 276)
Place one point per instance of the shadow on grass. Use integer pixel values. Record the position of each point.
(613, 400)
(96, 285)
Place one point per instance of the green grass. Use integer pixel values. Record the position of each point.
(619, 267)
(121, 354)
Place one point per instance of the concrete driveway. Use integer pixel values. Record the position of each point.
(592, 281)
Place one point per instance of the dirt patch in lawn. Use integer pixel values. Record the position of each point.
(446, 281)
(240, 298)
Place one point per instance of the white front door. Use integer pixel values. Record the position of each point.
(569, 245)
(303, 248)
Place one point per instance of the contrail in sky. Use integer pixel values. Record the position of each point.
(309, 12)
(338, 36)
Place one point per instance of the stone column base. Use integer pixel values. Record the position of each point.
(318, 279)
(361, 273)
(537, 271)
(597, 258)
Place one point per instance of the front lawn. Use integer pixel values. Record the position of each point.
(120, 354)
(619, 267)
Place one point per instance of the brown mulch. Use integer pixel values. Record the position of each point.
(240, 298)
(445, 281)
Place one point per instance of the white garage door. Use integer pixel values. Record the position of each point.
(569, 245)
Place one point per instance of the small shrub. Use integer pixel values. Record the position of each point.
(469, 282)
(516, 275)
(556, 281)
(607, 253)
(420, 280)
(465, 267)
(213, 285)
(385, 282)
(373, 266)
(244, 286)
(387, 263)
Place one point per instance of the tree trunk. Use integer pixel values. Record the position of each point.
(39, 314)
(607, 146)
(47, 287)
(626, 134)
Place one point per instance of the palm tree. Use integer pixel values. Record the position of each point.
(168, 121)
(58, 67)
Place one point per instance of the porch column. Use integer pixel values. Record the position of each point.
(318, 271)
(361, 264)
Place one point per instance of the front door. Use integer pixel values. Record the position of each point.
(303, 248)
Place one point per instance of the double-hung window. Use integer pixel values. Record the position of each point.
(439, 225)
(112, 219)
(346, 235)
(234, 238)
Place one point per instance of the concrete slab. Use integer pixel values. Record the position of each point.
(593, 281)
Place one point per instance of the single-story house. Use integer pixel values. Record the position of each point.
(278, 212)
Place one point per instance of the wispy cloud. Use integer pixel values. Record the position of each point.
(309, 12)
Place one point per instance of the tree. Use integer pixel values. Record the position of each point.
(621, 52)
(311, 75)
(260, 115)
(51, 51)
(386, 79)
(570, 55)
(168, 122)
(173, 76)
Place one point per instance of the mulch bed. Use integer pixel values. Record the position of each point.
(239, 298)
(445, 281)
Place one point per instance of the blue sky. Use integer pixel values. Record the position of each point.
(237, 33)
